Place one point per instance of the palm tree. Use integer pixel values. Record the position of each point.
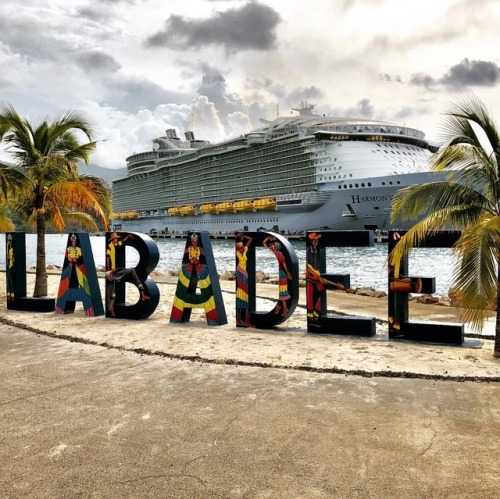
(52, 190)
(468, 200)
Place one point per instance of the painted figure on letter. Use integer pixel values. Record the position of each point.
(283, 274)
(242, 312)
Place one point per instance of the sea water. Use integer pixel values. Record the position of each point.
(366, 266)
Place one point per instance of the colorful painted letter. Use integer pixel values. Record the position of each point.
(16, 277)
(79, 278)
(317, 283)
(288, 276)
(117, 275)
(198, 285)
(401, 285)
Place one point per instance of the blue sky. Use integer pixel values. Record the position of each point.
(138, 67)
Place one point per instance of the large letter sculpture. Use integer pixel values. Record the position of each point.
(79, 278)
(16, 277)
(288, 275)
(198, 285)
(401, 284)
(318, 282)
(117, 275)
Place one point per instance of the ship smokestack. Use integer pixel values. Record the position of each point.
(189, 136)
(171, 133)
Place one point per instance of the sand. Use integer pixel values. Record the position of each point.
(288, 346)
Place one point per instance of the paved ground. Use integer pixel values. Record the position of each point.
(80, 420)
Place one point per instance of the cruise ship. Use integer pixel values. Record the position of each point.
(295, 173)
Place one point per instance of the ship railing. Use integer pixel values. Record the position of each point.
(205, 151)
(371, 129)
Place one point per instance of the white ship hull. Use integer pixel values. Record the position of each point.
(346, 209)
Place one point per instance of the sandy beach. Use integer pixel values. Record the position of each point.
(288, 346)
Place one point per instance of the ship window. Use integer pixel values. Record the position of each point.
(369, 184)
(356, 185)
(383, 183)
(390, 183)
(340, 187)
(362, 185)
(350, 186)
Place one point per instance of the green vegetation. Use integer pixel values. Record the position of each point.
(469, 200)
(44, 186)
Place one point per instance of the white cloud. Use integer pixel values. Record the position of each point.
(365, 56)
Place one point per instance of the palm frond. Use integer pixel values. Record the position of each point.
(71, 120)
(60, 168)
(84, 195)
(469, 109)
(472, 147)
(476, 275)
(57, 218)
(6, 223)
(419, 200)
(11, 179)
(83, 219)
(81, 153)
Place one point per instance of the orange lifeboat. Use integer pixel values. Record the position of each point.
(243, 205)
(264, 204)
(225, 207)
(208, 208)
(174, 211)
(188, 210)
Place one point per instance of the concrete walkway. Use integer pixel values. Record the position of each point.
(81, 420)
(96, 407)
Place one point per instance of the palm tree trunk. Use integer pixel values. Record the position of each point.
(41, 268)
(496, 349)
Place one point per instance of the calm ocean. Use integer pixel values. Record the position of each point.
(367, 266)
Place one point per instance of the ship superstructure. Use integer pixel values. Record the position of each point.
(293, 174)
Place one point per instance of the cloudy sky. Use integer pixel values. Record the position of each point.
(138, 67)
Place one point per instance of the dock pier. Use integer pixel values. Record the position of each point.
(379, 237)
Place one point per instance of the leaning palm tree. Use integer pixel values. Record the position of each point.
(468, 200)
(52, 190)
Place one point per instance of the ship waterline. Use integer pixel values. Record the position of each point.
(295, 174)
